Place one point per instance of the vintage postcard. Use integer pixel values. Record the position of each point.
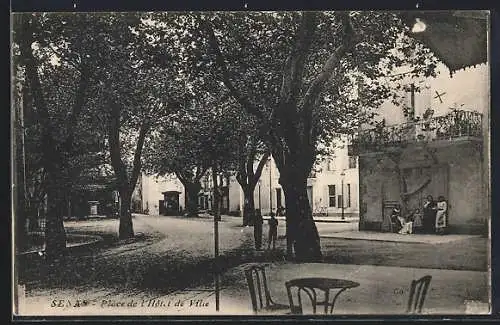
(251, 163)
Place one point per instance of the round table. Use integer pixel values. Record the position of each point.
(310, 285)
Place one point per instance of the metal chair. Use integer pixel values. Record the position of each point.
(258, 288)
(311, 287)
(418, 292)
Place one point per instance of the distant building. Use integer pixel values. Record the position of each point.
(150, 191)
(157, 193)
(331, 187)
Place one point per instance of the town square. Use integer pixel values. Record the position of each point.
(259, 163)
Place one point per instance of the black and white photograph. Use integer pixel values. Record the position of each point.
(250, 163)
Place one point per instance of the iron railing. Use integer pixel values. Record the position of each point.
(456, 124)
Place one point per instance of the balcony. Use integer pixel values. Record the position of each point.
(456, 125)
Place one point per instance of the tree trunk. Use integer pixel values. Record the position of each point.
(126, 229)
(125, 187)
(20, 186)
(301, 232)
(248, 205)
(192, 191)
(55, 235)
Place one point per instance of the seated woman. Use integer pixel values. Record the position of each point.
(441, 214)
(406, 225)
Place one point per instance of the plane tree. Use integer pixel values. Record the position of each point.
(306, 77)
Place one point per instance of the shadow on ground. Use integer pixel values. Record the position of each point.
(126, 269)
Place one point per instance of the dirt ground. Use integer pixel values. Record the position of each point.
(173, 253)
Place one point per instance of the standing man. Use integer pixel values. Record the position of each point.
(257, 229)
(273, 231)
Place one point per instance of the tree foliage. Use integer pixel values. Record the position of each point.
(217, 88)
(300, 85)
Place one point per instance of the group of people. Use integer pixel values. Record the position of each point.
(433, 219)
(257, 230)
(435, 215)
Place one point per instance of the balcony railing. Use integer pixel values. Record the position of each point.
(457, 124)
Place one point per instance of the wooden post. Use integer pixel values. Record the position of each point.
(215, 207)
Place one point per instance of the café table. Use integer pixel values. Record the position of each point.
(311, 285)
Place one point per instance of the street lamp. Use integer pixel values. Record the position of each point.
(342, 189)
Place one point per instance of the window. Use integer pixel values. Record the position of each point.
(348, 195)
(331, 195)
(331, 164)
(352, 162)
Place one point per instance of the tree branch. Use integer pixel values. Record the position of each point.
(260, 167)
(137, 164)
(219, 59)
(50, 155)
(115, 147)
(181, 177)
(77, 106)
(314, 90)
(294, 64)
(200, 171)
(241, 175)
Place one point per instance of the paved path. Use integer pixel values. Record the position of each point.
(390, 237)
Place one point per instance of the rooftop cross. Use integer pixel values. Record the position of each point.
(438, 95)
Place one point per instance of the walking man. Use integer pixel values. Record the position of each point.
(273, 231)
(257, 229)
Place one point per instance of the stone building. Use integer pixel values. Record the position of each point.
(439, 151)
(443, 146)
(332, 185)
(159, 195)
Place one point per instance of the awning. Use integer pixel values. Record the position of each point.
(458, 38)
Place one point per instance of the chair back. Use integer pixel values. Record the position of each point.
(257, 286)
(418, 292)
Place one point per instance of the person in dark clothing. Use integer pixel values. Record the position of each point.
(257, 229)
(429, 217)
(273, 231)
(395, 219)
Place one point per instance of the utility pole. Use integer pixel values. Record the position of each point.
(260, 206)
(342, 194)
(215, 208)
(270, 188)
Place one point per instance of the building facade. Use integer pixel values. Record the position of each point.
(331, 188)
(152, 189)
(439, 149)
(155, 194)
